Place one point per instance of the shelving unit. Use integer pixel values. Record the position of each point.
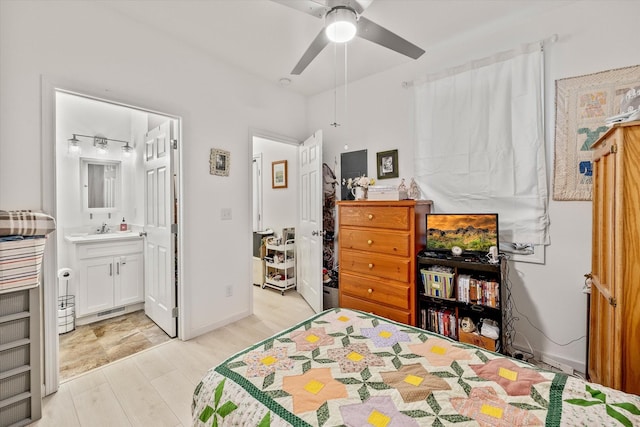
(478, 296)
(280, 266)
(20, 376)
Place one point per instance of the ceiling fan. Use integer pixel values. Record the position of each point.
(343, 21)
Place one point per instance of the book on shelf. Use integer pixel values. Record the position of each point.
(440, 321)
(478, 291)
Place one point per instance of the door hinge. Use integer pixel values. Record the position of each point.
(174, 312)
(174, 228)
(613, 301)
(614, 148)
(174, 144)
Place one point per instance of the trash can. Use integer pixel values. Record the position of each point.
(257, 241)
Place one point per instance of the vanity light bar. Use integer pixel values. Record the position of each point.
(101, 142)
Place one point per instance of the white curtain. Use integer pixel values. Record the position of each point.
(480, 142)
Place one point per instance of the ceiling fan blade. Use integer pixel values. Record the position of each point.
(313, 8)
(319, 43)
(373, 32)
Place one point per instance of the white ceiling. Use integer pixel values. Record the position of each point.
(267, 39)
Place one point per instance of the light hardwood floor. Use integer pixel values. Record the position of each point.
(154, 387)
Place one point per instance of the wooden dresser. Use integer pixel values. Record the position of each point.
(378, 244)
(614, 318)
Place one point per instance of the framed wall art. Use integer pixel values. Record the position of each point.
(279, 174)
(387, 164)
(219, 162)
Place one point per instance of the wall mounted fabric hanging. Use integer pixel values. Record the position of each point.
(582, 106)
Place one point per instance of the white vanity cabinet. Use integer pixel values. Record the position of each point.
(110, 275)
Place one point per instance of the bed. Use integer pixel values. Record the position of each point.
(347, 368)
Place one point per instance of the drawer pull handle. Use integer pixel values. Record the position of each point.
(370, 216)
(370, 290)
(370, 266)
(369, 242)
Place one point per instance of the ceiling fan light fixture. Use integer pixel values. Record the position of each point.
(341, 24)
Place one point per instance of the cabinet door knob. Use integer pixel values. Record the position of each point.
(370, 290)
(371, 266)
(369, 242)
(370, 216)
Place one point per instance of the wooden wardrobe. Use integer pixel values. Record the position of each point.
(614, 316)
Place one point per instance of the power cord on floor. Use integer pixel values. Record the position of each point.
(509, 319)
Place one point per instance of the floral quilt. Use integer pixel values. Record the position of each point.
(347, 368)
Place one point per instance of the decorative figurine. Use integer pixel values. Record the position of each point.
(402, 186)
(414, 191)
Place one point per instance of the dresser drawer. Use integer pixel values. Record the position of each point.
(375, 265)
(397, 243)
(374, 290)
(396, 218)
(401, 316)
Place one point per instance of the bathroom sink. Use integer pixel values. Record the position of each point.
(96, 237)
(112, 232)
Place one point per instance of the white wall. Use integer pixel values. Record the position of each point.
(92, 47)
(279, 205)
(593, 36)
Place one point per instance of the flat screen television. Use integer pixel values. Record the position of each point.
(473, 233)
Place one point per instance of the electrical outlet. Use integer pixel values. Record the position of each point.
(229, 290)
(225, 214)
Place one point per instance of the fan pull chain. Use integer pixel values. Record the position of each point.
(346, 79)
(335, 123)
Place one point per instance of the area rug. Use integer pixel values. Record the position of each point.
(582, 105)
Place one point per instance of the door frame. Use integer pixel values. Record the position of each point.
(259, 133)
(257, 163)
(49, 291)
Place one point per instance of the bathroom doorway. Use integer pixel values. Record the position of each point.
(117, 200)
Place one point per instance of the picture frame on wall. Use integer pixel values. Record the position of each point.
(387, 164)
(219, 162)
(279, 174)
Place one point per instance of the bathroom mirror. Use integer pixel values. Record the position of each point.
(100, 185)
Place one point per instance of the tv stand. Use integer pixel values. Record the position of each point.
(441, 309)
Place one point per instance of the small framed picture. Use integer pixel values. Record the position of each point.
(219, 162)
(279, 174)
(288, 233)
(387, 164)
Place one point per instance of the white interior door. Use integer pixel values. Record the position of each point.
(309, 235)
(159, 278)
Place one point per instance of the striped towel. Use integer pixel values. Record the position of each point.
(25, 223)
(20, 263)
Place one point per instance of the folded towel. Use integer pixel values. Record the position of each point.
(25, 223)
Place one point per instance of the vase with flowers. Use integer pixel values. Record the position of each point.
(359, 186)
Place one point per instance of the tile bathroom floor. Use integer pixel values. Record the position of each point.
(96, 344)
